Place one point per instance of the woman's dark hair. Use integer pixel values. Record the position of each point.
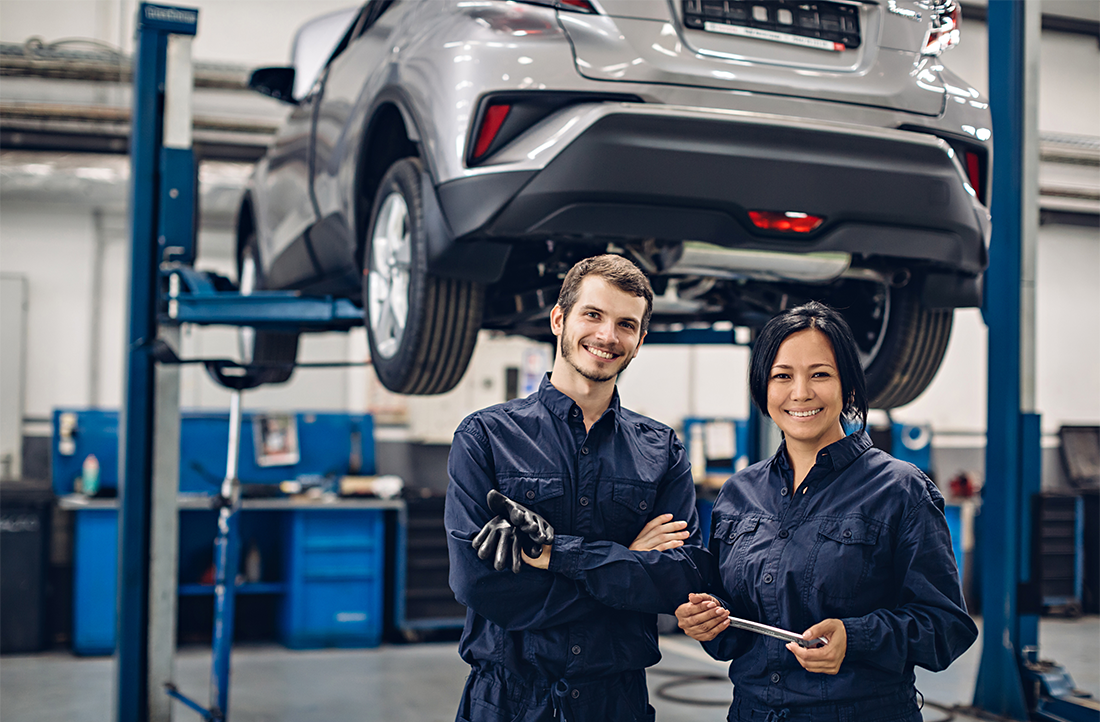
(853, 385)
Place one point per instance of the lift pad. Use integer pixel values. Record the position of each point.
(209, 299)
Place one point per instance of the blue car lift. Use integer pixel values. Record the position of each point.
(1012, 681)
(165, 292)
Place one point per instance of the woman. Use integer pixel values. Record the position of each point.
(832, 537)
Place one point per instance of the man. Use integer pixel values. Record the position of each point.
(569, 636)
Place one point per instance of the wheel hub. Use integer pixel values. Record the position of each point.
(246, 337)
(388, 278)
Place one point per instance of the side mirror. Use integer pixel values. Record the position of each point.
(277, 83)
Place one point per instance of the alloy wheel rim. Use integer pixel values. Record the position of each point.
(389, 276)
(246, 338)
(869, 338)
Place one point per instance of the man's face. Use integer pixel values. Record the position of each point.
(603, 331)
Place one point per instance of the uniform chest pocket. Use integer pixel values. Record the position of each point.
(631, 507)
(843, 557)
(730, 544)
(541, 495)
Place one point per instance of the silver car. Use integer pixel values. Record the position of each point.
(448, 160)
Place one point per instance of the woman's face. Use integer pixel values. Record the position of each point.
(805, 399)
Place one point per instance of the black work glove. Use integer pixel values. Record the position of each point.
(498, 540)
(536, 529)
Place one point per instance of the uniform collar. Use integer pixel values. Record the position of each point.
(837, 455)
(562, 406)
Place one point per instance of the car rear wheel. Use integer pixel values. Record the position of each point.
(901, 343)
(274, 352)
(421, 327)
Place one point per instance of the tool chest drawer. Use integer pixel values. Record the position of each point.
(334, 577)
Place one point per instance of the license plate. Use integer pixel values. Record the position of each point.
(830, 26)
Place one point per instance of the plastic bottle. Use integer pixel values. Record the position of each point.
(253, 564)
(89, 475)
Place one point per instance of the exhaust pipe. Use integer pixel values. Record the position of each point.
(708, 260)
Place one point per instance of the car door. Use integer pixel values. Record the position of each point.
(351, 80)
(287, 209)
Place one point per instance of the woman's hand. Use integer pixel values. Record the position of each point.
(826, 659)
(702, 618)
(660, 534)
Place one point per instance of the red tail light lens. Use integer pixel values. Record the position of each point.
(490, 126)
(785, 221)
(974, 172)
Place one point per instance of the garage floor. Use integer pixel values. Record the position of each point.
(421, 682)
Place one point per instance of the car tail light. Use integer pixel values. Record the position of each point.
(974, 171)
(491, 121)
(785, 221)
(944, 33)
(502, 117)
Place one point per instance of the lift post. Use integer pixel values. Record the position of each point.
(161, 225)
(1012, 682)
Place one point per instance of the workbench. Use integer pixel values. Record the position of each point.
(323, 562)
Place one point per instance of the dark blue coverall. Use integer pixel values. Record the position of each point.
(864, 540)
(571, 642)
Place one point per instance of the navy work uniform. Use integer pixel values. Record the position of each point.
(863, 540)
(571, 642)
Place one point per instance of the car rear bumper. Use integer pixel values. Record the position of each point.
(627, 172)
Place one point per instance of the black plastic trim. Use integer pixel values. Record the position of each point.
(634, 177)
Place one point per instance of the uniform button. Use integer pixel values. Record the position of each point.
(642, 505)
(530, 494)
(775, 677)
(732, 537)
(584, 501)
(784, 534)
(783, 491)
(847, 534)
(767, 578)
(576, 649)
(584, 450)
(574, 412)
(575, 694)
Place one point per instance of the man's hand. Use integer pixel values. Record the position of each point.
(498, 541)
(827, 659)
(702, 618)
(660, 534)
(542, 561)
(534, 526)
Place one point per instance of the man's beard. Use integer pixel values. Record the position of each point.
(567, 345)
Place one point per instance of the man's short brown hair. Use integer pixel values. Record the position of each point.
(617, 271)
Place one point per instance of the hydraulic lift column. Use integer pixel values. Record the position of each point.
(1012, 456)
(162, 182)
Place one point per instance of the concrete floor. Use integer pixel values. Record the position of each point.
(422, 682)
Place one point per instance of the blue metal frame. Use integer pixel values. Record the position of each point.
(154, 24)
(193, 297)
(999, 686)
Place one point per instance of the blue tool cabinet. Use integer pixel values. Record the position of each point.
(334, 579)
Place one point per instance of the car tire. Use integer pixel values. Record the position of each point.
(421, 327)
(273, 352)
(903, 362)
